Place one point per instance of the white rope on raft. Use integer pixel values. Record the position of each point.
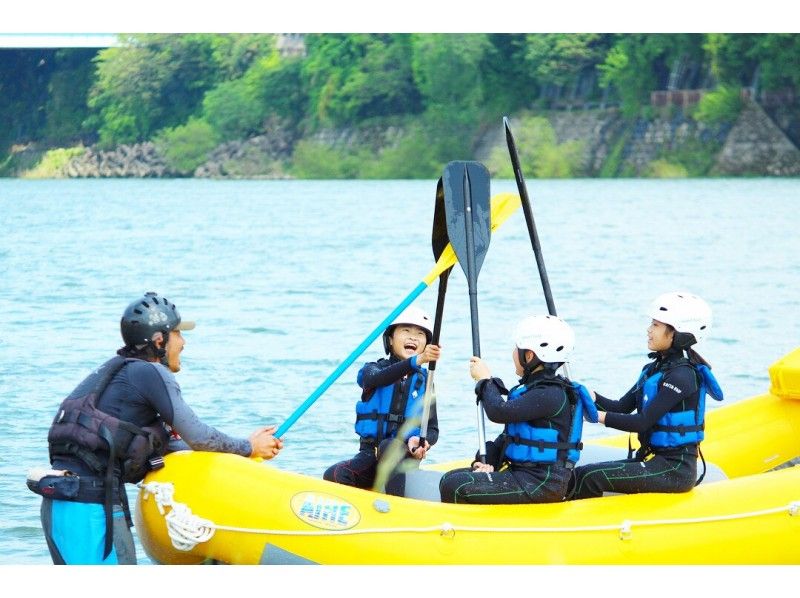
(186, 529)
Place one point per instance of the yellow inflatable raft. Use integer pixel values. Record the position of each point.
(208, 506)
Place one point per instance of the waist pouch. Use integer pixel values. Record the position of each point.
(71, 487)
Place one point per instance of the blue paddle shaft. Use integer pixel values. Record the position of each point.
(349, 360)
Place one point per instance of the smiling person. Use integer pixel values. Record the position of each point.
(391, 402)
(115, 427)
(666, 407)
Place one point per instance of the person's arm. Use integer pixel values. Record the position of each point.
(376, 374)
(675, 386)
(433, 425)
(543, 402)
(199, 436)
(626, 404)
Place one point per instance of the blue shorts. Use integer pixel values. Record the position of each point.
(76, 534)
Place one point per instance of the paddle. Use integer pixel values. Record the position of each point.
(526, 209)
(439, 240)
(503, 205)
(466, 201)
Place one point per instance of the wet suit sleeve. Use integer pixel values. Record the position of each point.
(624, 405)
(433, 426)
(383, 373)
(196, 434)
(541, 402)
(494, 456)
(676, 385)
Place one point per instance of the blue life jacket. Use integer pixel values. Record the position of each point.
(679, 428)
(526, 443)
(374, 419)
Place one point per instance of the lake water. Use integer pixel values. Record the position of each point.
(286, 278)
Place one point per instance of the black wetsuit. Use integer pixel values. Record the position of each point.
(544, 406)
(360, 471)
(652, 469)
(142, 393)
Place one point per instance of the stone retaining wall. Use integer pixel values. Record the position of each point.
(754, 146)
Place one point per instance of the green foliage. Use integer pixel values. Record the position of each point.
(236, 53)
(199, 89)
(664, 169)
(508, 83)
(613, 162)
(186, 147)
(695, 156)
(540, 154)
(411, 158)
(280, 89)
(722, 105)
(314, 160)
(53, 163)
(351, 77)
(766, 60)
(153, 82)
(233, 109)
(447, 69)
(778, 56)
(640, 63)
(558, 58)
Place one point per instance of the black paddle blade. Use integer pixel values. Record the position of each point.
(439, 238)
(468, 213)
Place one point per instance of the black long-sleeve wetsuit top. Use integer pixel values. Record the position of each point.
(143, 392)
(677, 391)
(544, 406)
(385, 372)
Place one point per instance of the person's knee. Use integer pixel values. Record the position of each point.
(330, 473)
(448, 485)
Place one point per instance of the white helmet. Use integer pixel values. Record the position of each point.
(550, 337)
(685, 312)
(410, 315)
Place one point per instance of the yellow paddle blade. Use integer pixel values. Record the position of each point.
(503, 205)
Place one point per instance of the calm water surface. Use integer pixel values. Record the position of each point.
(285, 279)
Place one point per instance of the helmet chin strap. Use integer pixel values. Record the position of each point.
(527, 366)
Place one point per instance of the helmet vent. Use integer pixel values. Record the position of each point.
(543, 344)
(560, 348)
(137, 311)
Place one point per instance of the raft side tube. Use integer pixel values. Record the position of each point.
(784, 376)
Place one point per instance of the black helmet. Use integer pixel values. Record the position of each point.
(148, 315)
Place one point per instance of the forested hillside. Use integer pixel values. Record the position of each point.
(373, 105)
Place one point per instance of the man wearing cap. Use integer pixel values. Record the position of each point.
(115, 427)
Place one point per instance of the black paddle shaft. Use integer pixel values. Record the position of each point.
(439, 241)
(526, 208)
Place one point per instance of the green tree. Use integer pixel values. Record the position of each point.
(540, 154)
(745, 59)
(187, 146)
(233, 109)
(352, 77)
(447, 71)
(151, 82)
(719, 106)
(281, 89)
(639, 63)
(507, 80)
(559, 58)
